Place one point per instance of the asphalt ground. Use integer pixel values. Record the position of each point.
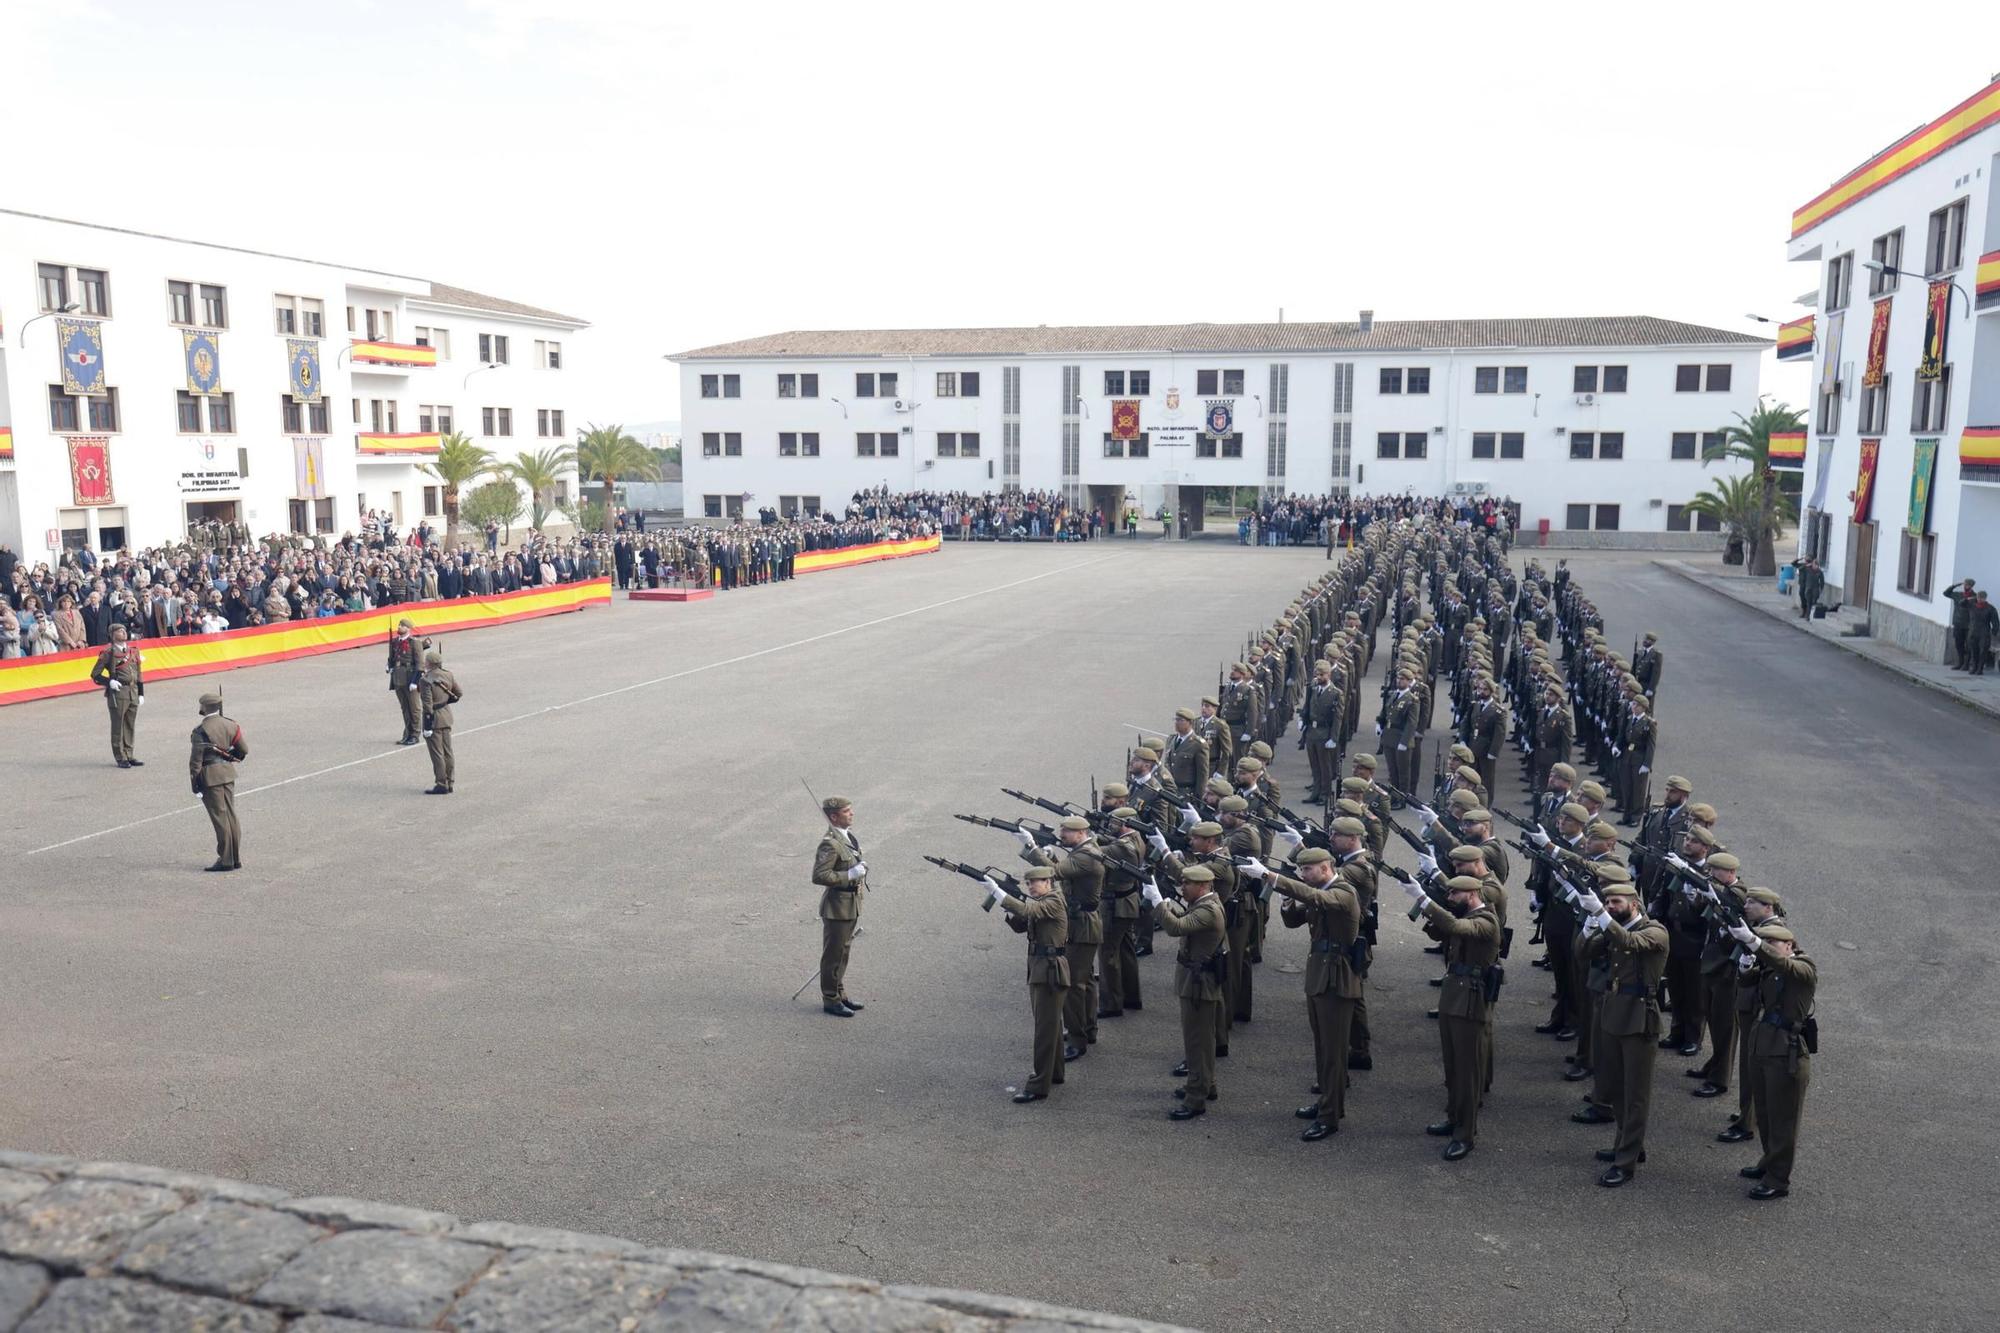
(560, 995)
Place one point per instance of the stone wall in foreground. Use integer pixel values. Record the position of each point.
(109, 1247)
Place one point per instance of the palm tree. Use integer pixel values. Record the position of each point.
(539, 472)
(1737, 503)
(609, 455)
(458, 464)
(1750, 439)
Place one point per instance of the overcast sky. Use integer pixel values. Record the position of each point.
(681, 175)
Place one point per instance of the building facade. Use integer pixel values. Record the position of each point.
(147, 383)
(1902, 458)
(1595, 425)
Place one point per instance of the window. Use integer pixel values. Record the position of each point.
(947, 441)
(1388, 444)
(886, 383)
(711, 506)
(1611, 444)
(1415, 444)
(1417, 380)
(319, 420)
(431, 501)
(864, 384)
(1607, 518)
(214, 307)
(1516, 379)
(1687, 379)
(1138, 447)
(1576, 518)
(493, 352)
(1718, 379)
(302, 315)
(221, 413)
(382, 417)
(1511, 443)
(873, 444)
(93, 291)
(1590, 444)
(711, 385)
(1682, 519)
(1139, 383)
(1932, 407)
(1230, 381)
(1829, 410)
(1886, 251)
(1205, 446)
(438, 340)
(1683, 445)
(350, 329)
(1392, 380)
(1486, 379)
(549, 422)
(788, 386)
(382, 325)
(732, 386)
(1914, 568)
(62, 410)
(809, 444)
(788, 506)
(52, 281)
(1945, 250)
(1875, 408)
(968, 384)
(809, 388)
(1114, 384)
(357, 419)
(292, 415)
(794, 444)
(102, 410)
(1585, 380)
(958, 384)
(187, 412)
(496, 420)
(180, 302)
(548, 355)
(1614, 380)
(1582, 444)
(1839, 280)
(732, 444)
(711, 444)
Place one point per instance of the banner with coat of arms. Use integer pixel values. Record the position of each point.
(1923, 469)
(1864, 480)
(81, 342)
(1218, 416)
(1937, 331)
(1125, 419)
(90, 470)
(303, 356)
(1829, 366)
(1878, 345)
(308, 467)
(204, 361)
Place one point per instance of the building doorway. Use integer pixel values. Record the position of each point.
(1858, 588)
(1109, 501)
(1189, 506)
(211, 511)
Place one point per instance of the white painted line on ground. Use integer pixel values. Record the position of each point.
(593, 698)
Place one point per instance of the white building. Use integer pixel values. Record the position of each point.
(1902, 462)
(1596, 425)
(143, 451)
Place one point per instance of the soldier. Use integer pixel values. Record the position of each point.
(216, 746)
(1186, 756)
(1199, 978)
(1628, 1021)
(1319, 726)
(405, 678)
(1117, 952)
(440, 691)
(1717, 969)
(839, 870)
(1043, 917)
(1327, 898)
(1401, 713)
(1470, 932)
(1486, 731)
(1646, 666)
(1782, 1041)
(1215, 733)
(1761, 907)
(1080, 872)
(1641, 737)
(117, 673)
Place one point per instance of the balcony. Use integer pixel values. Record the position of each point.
(1986, 283)
(380, 447)
(391, 358)
(1979, 454)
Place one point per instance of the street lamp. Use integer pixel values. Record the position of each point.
(69, 309)
(1891, 271)
(490, 365)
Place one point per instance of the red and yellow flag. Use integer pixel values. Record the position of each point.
(1787, 448)
(1125, 419)
(1864, 480)
(1968, 118)
(6, 441)
(375, 443)
(1878, 346)
(1795, 340)
(393, 354)
(1979, 447)
(1987, 283)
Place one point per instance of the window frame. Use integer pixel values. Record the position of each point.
(1389, 381)
(68, 404)
(1944, 238)
(1886, 250)
(1931, 403)
(1486, 379)
(1682, 373)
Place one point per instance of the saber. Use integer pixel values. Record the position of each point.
(815, 972)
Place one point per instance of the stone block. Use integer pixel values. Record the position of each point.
(18, 1185)
(189, 1183)
(80, 1224)
(513, 1236)
(116, 1305)
(348, 1214)
(387, 1276)
(217, 1246)
(21, 1286)
(547, 1291)
(716, 1302)
(37, 1161)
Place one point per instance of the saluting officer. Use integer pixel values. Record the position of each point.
(440, 691)
(840, 871)
(117, 673)
(406, 678)
(1043, 917)
(216, 746)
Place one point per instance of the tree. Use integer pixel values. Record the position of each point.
(607, 454)
(458, 464)
(539, 471)
(1750, 439)
(1737, 503)
(496, 500)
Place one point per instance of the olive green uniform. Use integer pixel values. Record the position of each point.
(1471, 949)
(1628, 1025)
(1199, 981)
(1332, 915)
(440, 691)
(839, 908)
(120, 662)
(215, 747)
(1780, 1065)
(1045, 921)
(1081, 874)
(1117, 954)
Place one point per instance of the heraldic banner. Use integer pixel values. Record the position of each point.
(303, 356)
(1878, 346)
(308, 467)
(90, 470)
(81, 343)
(1125, 419)
(204, 361)
(1864, 480)
(1923, 468)
(1937, 331)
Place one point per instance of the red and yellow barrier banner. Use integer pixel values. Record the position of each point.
(811, 562)
(1787, 448)
(376, 444)
(1968, 118)
(46, 677)
(393, 354)
(6, 441)
(1795, 340)
(1987, 283)
(1979, 447)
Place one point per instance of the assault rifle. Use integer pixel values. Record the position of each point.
(1043, 834)
(1008, 884)
(1060, 809)
(1404, 877)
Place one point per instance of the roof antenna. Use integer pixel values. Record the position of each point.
(1281, 314)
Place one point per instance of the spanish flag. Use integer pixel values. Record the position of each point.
(1988, 281)
(1795, 340)
(1968, 118)
(6, 441)
(1979, 447)
(394, 354)
(376, 444)
(1787, 449)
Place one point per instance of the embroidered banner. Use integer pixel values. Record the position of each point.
(1822, 472)
(1787, 449)
(204, 361)
(1220, 415)
(82, 345)
(90, 470)
(1125, 419)
(1829, 370)
(1937, 330)
(1987, 283)
(1864, 480)
(1923, 467)
(303, 354)
(1878, 345)
(308, 467)
(1795, 340)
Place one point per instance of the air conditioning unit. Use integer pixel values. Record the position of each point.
(901, 405)
(1562, 430)
(1585, 399)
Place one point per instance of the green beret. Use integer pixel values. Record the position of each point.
(1115, 789)
(1478, 814)
(1249, 764)
(1220, 784)
(404, 624)
(834, 803)
(1680, 784)
(1366, 761)
(1197, 875)
(1462, 799)
(1349, 826)
(1696, 833)
(1617, 889)
(1769, 897)
(1124, 812)
(1354, 808)
(1722, 861)
(1208, 828)
(1702, 812)
(210, 702)
(1240, 666)
(1563, 771)
(1463, 752)
(1465, 884)
(1466, 773)
(1074, 824)
(1467, 852)
(1211, 701)
(1600, 830)
(1572, 810)
(1261, 751)
(1148, 746)
(1610, 872)
(1593, 789)
(1775, 933)
(1355, 784)
(1039, 872)
(1232, 805)
(1313, 856)
(432, 657)
(1187, 714)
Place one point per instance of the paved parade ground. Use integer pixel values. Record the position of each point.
(560, 996)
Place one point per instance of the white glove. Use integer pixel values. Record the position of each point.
(1157, 841)
(1537, 837)
(1150, 894)
(1330, 745)
(1415, 890)
(1402, 747)
(1288, 839)
(1688, 890)
(1251, 869)
(1378, 730)
(1616, 752)
(1427, 863)
(1245, 738)
(1600, 921)
(1746, 963)
(115, 686)
(1591, 902)
(1645, 768)
(1189, 818)
(387, 670)
(1428, 815)
(1025, 838)
(1535, 903)
(1744, 936)
(1674, 860)
(993, 891)
(141, 702)
(413, 684)
(857, 872)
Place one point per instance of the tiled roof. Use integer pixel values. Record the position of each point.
(1383, 335)
(459, 296)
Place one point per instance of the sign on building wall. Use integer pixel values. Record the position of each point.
(90, 470)
(203, 474)
(1937, 331)
(1125, 419)
(1878, 345)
